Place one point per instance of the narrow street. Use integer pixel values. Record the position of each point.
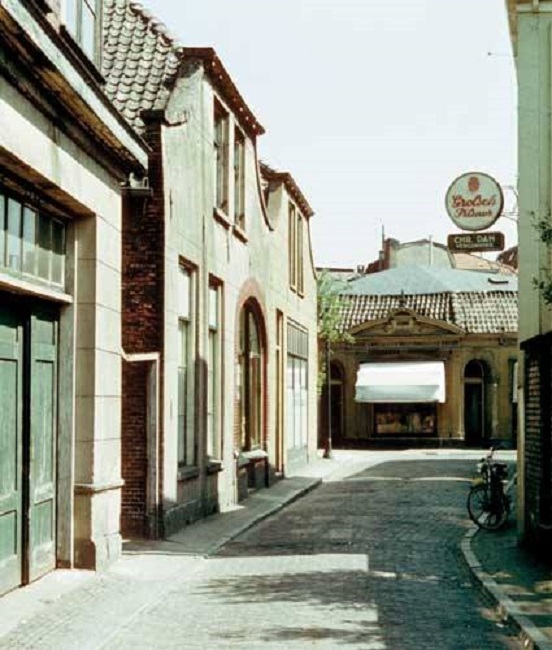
(369, 559)
(379, 567)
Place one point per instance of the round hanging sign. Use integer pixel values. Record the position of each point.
(474, 201)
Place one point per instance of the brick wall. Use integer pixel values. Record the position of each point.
(538, 443)
(142, 329)
(533, 425)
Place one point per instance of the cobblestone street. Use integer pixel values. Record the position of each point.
(370, 560)
(406, 519)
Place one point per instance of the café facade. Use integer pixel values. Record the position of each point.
(430, 359)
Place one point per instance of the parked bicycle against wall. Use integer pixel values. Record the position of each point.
(489, 499)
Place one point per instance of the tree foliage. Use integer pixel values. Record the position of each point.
(544, 286)
(330, 301)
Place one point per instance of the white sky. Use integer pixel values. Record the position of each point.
(374, 107)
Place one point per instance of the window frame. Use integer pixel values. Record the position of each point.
(73, 19)
(292, 246)
(221, 131)
(297, 387)
(215, 372)
(239, 178)
(187, 439)
(29, 249)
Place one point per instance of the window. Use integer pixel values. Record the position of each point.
(214, 370)
(221, 158)
(295, 250)
(297, 387)
(299, 255)
(187, 443)
(250, 380)
(31, 243)
(239, 179)
(292, 247)
(82, 21)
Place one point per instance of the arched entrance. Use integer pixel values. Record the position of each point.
(251, 378)
(337, 400)
(475, 412)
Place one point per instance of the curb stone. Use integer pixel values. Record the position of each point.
(531, 637)
(262, 515)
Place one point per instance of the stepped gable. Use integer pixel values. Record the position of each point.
(140, 60)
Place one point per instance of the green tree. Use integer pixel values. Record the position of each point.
(330, 308)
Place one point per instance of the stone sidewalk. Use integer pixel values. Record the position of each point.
(520, 586)
(85, 610)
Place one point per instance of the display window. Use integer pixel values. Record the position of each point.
(405, 419)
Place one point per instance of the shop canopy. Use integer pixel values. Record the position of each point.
(409, 381)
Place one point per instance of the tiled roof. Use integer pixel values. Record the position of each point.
(477, 312)
(429, 280)
(140, 60)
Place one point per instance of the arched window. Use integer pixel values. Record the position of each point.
(251, 389)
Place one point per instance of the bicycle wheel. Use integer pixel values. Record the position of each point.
(487, 513)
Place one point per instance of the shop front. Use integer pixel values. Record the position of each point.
(403, 396)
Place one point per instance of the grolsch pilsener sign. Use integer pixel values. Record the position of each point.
(474, 201)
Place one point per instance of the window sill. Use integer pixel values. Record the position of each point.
(34, 286)
(188, 473)
(251, 457)
(240, 234)
(221, 216)
(214, 467)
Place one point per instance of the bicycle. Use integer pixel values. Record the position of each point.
(488, 499)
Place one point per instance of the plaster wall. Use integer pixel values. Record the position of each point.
(248, 263)
(90, 328)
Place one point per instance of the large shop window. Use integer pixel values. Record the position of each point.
(405, 419)
(409, 381)
(31, 243)
(297, 387)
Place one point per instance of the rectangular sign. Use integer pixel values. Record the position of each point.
(475, 242)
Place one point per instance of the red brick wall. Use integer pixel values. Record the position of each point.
(538, 443)
(134, 456)
(142, 328)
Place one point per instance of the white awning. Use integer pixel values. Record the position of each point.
(409, 381)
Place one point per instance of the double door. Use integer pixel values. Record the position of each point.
(28, 425)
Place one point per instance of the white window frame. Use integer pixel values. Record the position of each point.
(186, 431)
(214, 371)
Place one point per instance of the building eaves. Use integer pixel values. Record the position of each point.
(271, 175)
(60, 79)
(228, 90)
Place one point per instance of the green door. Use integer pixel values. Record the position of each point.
(11, 469)
(42, 443)
(28, 425)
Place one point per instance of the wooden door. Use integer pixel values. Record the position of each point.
(11, 428)
(42, 443)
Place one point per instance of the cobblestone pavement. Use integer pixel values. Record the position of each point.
(407, 519)
(368, 561)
